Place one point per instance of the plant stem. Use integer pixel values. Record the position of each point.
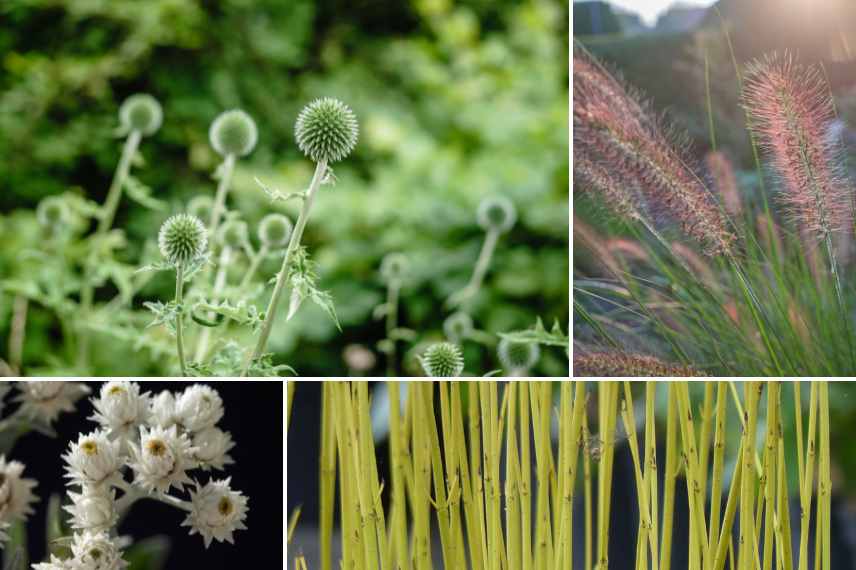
(179, 321)
(479, 271)
(219, 285)
(293, 244)
(228, 167)
(17, 333)
(328, 475)
(105, 222)
(392, 291)
(255, 261)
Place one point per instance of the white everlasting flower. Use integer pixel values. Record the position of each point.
(16, 492)
(93, 460)
(121, 408)
(199, 407)
(56, 564)
(216, 511)
(96, 551)
(162, 411)
(161, 459)
(45, 400)
(93, 509)
(212, 446)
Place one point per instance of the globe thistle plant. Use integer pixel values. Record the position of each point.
(496, 216)
(171, 436)
(517, 357)
(140, 112)
(443, 360)
(326, 131)
(393, 269)
(233, 134)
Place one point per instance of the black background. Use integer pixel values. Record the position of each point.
(254, 418)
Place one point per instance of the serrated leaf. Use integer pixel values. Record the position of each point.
(539, 335)
(302, 277)
(240, 312)
(277, 196)
(264, 366)
(164, 314)
(156, 266)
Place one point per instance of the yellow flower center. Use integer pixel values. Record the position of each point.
(156, 447)
(225, 506)
(89, 447)
(116, 390)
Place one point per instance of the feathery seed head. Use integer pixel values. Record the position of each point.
(234, 234)
(394, 267)
(791, 112)
(517, 355)
(233, 132)
(616, 364)
(182, 239)
(200, 206)
(275, 230)
(496, 213)
(52, 212)
(141, 112)
(443, 360)
(724, 182)
(327, 130)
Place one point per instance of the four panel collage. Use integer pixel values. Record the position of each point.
(288, 284)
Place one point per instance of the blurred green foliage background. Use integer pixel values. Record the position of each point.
(456, 101)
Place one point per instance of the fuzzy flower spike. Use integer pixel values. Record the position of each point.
(791, 112)
(631, 163)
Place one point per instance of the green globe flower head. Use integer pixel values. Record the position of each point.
(394, 267)
(182, 239)
(52, 212)
(496, 213)
(275, 231)
(517, 355)
(443, 360)
(458, 326)
(233, 133)
(201, 206)
(234, 234)
(141, 112)
(327, 130)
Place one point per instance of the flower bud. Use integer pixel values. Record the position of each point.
(327, 130)
(458, 326)
(517, 355)
(52, 212)
(141, 112)
(394, 267)
(496, 213)
(182, 239)
(443, 360)
(233, 132)
(275, 231)
(233, 234)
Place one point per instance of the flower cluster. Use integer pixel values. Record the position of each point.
(147, 446)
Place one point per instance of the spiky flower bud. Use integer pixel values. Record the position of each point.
(394, 267)
(200, 206)
(233, 132)
(182, 239)
(141, 112)
(52, 212)
(458, 326)
(443, 360)
(275, 230)
(517, 355)
(327, 130)
(233, 233)
(496, 213)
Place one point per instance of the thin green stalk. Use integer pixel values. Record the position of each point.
(179, 322)
(479, 271)
(219, 285)
(746, 556)
(825, 479)
(293, 244)
(327, 476)
(255, 261)
(651, 470)
(718, 466)
(587, 495)
(771, 452)
(608, 406)
(525, 478)
(512, 482)
(807, 484)
(226, 169)
(670, 478)
(392, 291)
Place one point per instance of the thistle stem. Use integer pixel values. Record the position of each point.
(108, 214)
(179, 324)
(228, 167)
(219, 285)
(293, 244)
(392, 291)
(255, 261)
(18, 333)
(479, 272)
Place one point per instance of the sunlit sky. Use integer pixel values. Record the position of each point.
(650, 9)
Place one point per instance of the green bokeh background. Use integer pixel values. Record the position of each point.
(456, 101)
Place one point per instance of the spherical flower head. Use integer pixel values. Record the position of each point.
(182, 239)
(94, 509)
(96, 551)
(45, 400)
(16, 492)
(458, 326)
(394, 267)
(93, 460)
(141, 112)
(200, 207)
(233, 234)
(52, 212)
(199, 407)
(162, 412)
(212, 446)
(216, 512)
(275, 231)
(517, 355)
(326, 130)
(496, 213)
(162, 459)
(233, 133)
(443, 360)
(121, 408)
